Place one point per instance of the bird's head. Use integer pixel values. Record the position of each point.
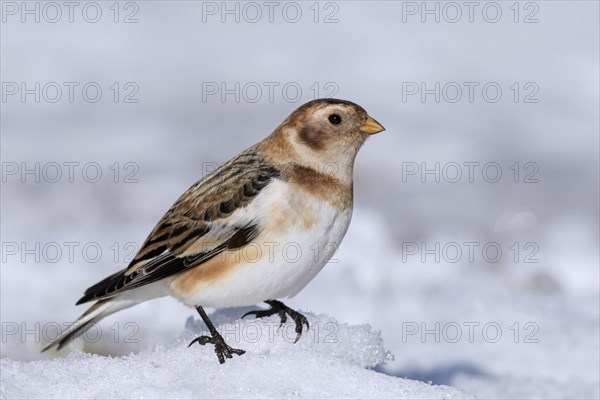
(327, 133)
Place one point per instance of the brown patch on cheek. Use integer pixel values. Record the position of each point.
(312, 138)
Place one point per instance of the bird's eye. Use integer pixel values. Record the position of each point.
(335, 119)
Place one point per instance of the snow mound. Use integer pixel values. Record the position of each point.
(331, 360)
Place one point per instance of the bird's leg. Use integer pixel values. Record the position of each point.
(283, 311)
(221, 348)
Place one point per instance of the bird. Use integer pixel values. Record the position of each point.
(257, 229)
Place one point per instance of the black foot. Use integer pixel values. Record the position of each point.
(283, 311)
(221, 348)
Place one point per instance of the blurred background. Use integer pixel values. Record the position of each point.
(474, 241)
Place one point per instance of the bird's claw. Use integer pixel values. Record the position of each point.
(283, 311)
(300, 320)
(222, 349)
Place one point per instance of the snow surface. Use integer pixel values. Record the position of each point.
(331, 360)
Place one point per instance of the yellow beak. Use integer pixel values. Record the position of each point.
(371, 126)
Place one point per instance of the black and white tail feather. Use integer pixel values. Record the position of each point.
(94, 314)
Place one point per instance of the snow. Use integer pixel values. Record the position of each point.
(332, 360)
(504, 330)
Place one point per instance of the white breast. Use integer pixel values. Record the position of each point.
(300, 233)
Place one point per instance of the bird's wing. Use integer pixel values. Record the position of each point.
(210, 217)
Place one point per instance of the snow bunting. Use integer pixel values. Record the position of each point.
(258, 228)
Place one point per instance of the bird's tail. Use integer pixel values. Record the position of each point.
(95, 313)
